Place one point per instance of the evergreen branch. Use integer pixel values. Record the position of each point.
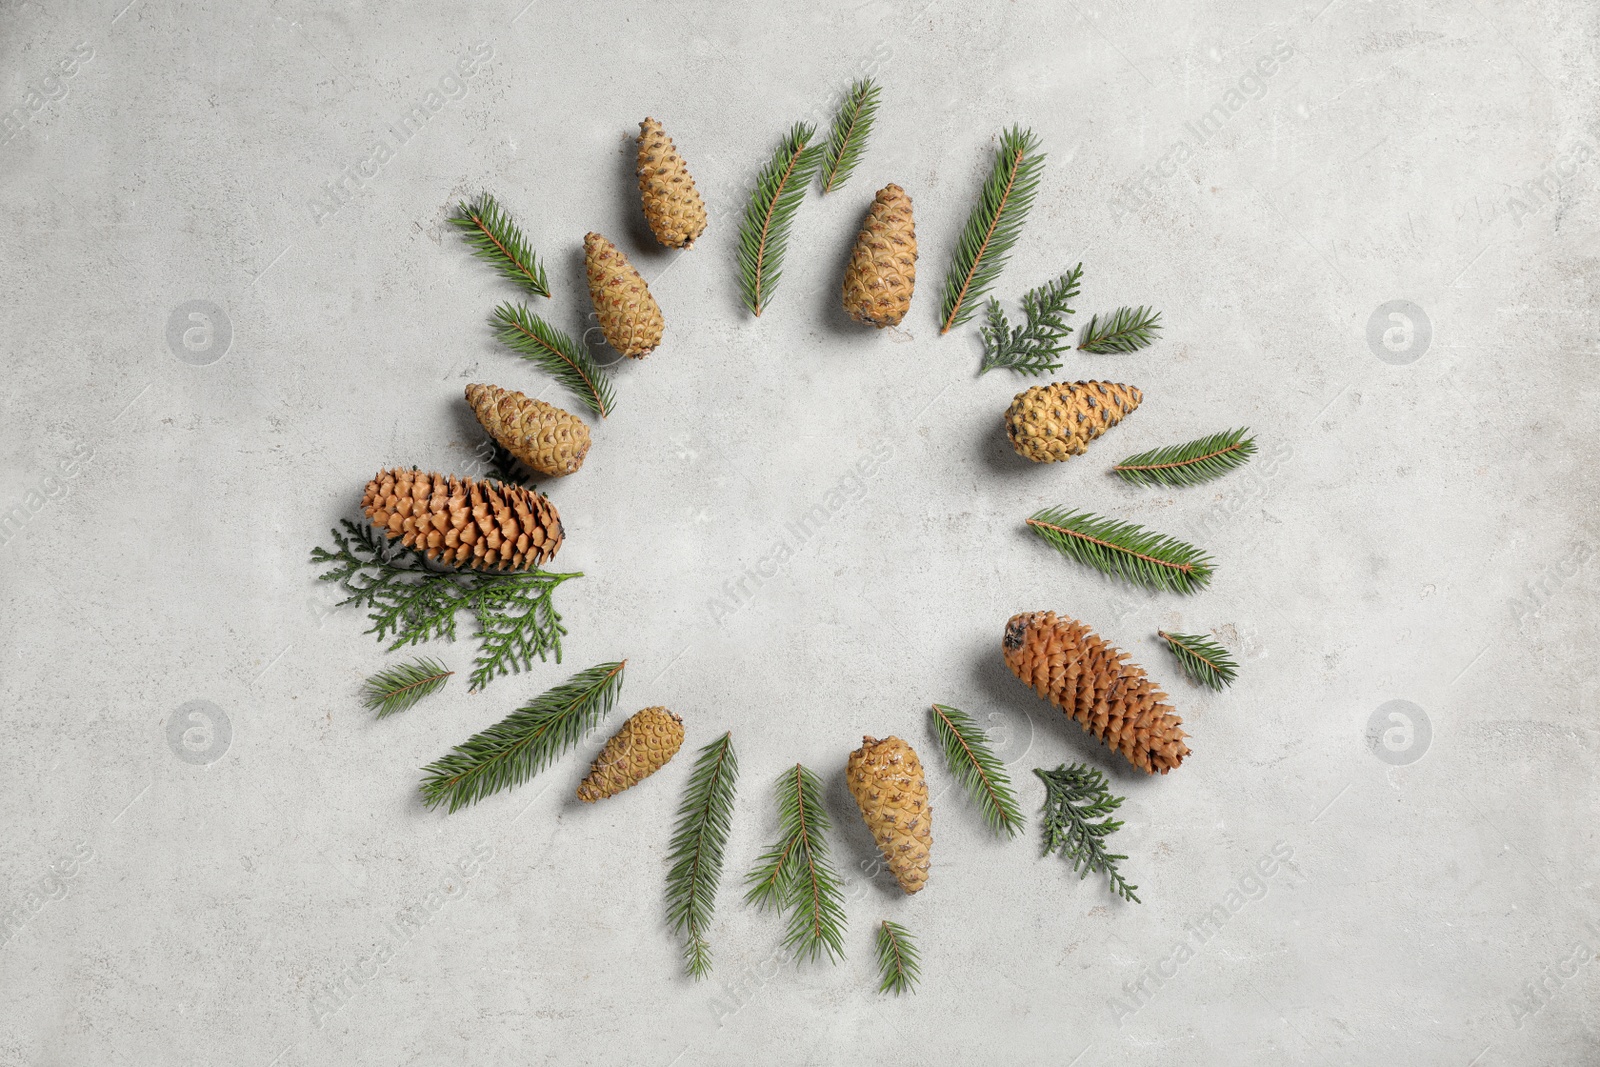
(1191, 462)
(994, 225)
(848, 139)
(494, 237)
(1032, 348)
(409, 601)
(567, 361)
(1202, 659)
(898, 962)
(796, 874)
(1127, 330)
(1124, 550)
(524, 742)
(977, 768)
(1074, 797)
(764, 234)
(697, 847)
(400, 687)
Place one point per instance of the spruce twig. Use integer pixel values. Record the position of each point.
(1190, 463)
(1032, 348)
(1124, 550)
(697, 848)
(795, 874)
(567, 361)
(1127, 330)
(898, 963)
(400, 687)
(1074, 797)
(764, 234)
(993, 227)
(1202, 659)
(848, 139)
(524, 742)
(494, 237)
(977, 768)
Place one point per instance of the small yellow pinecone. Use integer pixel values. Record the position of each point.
(1069, 665)
(462, 521)
(639, 749)
(883, 267)
(886, 779)
(629, 315)
(672, 205)
(1054, 422)
(547, 439)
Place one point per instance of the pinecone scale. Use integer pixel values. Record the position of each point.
(883, 266)
(886, 779)
(462, 521)
(1049, 423)
(640, 748)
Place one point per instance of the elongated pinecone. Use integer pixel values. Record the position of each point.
(672, 205)
(462, 521)
(629, 315)
(549, 440)
(1070, 666)
(883, 267)
(639, 749)
(1054, 422)
(886, 779)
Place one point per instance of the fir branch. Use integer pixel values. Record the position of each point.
(698, 842)
(567, 361)
(494, 237)
(848, 139)
(1032, 348)
(764, 235)
(524, 742)
(1202, 659)
(1124, 550)
(994, 225)
(1127, 330)
(1191, 462)
(400, 687)
(898, 962)
(409, 601)
(796, 876)
(1074, 797)
(977, 768)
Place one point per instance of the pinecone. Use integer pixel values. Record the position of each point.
(639, 749)
(1070, 666)
(547, 439)
(1054, 422)
(883, 267)
(629, 315)
(886, 779)
(464, 522)
(672, 205)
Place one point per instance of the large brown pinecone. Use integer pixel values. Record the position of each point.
(672, 205)
(1054, 422)
(547, 439)
(886, 779)
(461, 521)
(639, 749)
(629, 316)
(883, 267)
(1070, 666)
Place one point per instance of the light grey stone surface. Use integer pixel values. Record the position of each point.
(1420, 527)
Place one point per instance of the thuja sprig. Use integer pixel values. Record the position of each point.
(409, 601)
(764, 234)
(1124, 550)
(977, 768)
(697, 848)
(1202, 659)
(494, 237)
(1075, 798)
(848, 138)
(993, 227)
(1191, 462)
(1126, 330)
(567, 361)
(899, 966)
(400, 687)
(795, 874)
(524, 742)
(1032, 348)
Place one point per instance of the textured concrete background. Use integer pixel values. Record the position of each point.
(1420, 527)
